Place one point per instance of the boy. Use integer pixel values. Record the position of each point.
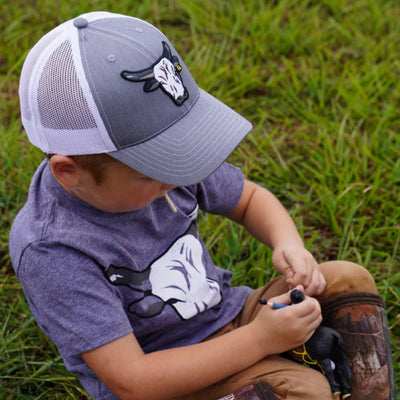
(107, 248)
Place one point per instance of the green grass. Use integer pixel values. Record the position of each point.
(320, 82)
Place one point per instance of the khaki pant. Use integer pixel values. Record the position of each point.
(289, 380)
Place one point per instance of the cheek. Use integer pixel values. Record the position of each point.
(130, 195)
(145, 190)
(142, 195)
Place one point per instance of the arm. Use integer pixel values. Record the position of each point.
(168, 374)
(264, 217)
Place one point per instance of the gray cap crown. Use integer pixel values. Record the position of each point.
(109, 83)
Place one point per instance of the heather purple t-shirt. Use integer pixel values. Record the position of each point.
(91, 277)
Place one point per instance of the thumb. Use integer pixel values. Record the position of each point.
(285, 298)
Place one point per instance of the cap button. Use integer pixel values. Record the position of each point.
(80, 23)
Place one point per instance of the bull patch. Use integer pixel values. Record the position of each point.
(164, 74)
(177, 279)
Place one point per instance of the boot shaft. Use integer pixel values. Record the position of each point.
(360, 318)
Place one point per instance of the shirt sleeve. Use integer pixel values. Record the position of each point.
(221, 191)
(70, 298)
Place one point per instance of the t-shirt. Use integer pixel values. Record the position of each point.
(91, 277)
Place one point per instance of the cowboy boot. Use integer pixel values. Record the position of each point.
(258, 391)
(360, 318)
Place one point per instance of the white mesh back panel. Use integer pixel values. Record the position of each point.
(58, 110)
(62, 104)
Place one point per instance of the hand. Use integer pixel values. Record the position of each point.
(300, 268)
(285, 328)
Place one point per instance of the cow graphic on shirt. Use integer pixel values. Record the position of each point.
(178, 278)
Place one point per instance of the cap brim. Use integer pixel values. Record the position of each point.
(191, 149)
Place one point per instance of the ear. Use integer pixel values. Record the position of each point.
(65, 170)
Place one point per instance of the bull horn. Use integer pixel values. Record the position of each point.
(125, 276)
(166, 51)
(138, 76)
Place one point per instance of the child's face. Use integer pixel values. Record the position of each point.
(122, 189)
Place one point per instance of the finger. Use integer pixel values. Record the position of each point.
(281, 299)
(308, 317)
(317, 283)
(300, 271)
(309, 269)
(298, 287)
(282, 266)
(309, 309)
(315, 323)
(308, 273)
(310, 326)
(322, 282)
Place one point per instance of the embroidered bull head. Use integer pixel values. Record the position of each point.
(164, 74)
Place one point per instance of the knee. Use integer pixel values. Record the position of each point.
(309, 385)
(346, 277)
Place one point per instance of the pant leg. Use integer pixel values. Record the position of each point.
(288, 380)
(345, 277)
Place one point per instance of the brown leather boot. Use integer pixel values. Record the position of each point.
(258, 391)
(360, 318)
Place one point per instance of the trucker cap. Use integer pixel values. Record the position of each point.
(111, 83)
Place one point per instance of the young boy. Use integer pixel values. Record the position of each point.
(107, 248)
